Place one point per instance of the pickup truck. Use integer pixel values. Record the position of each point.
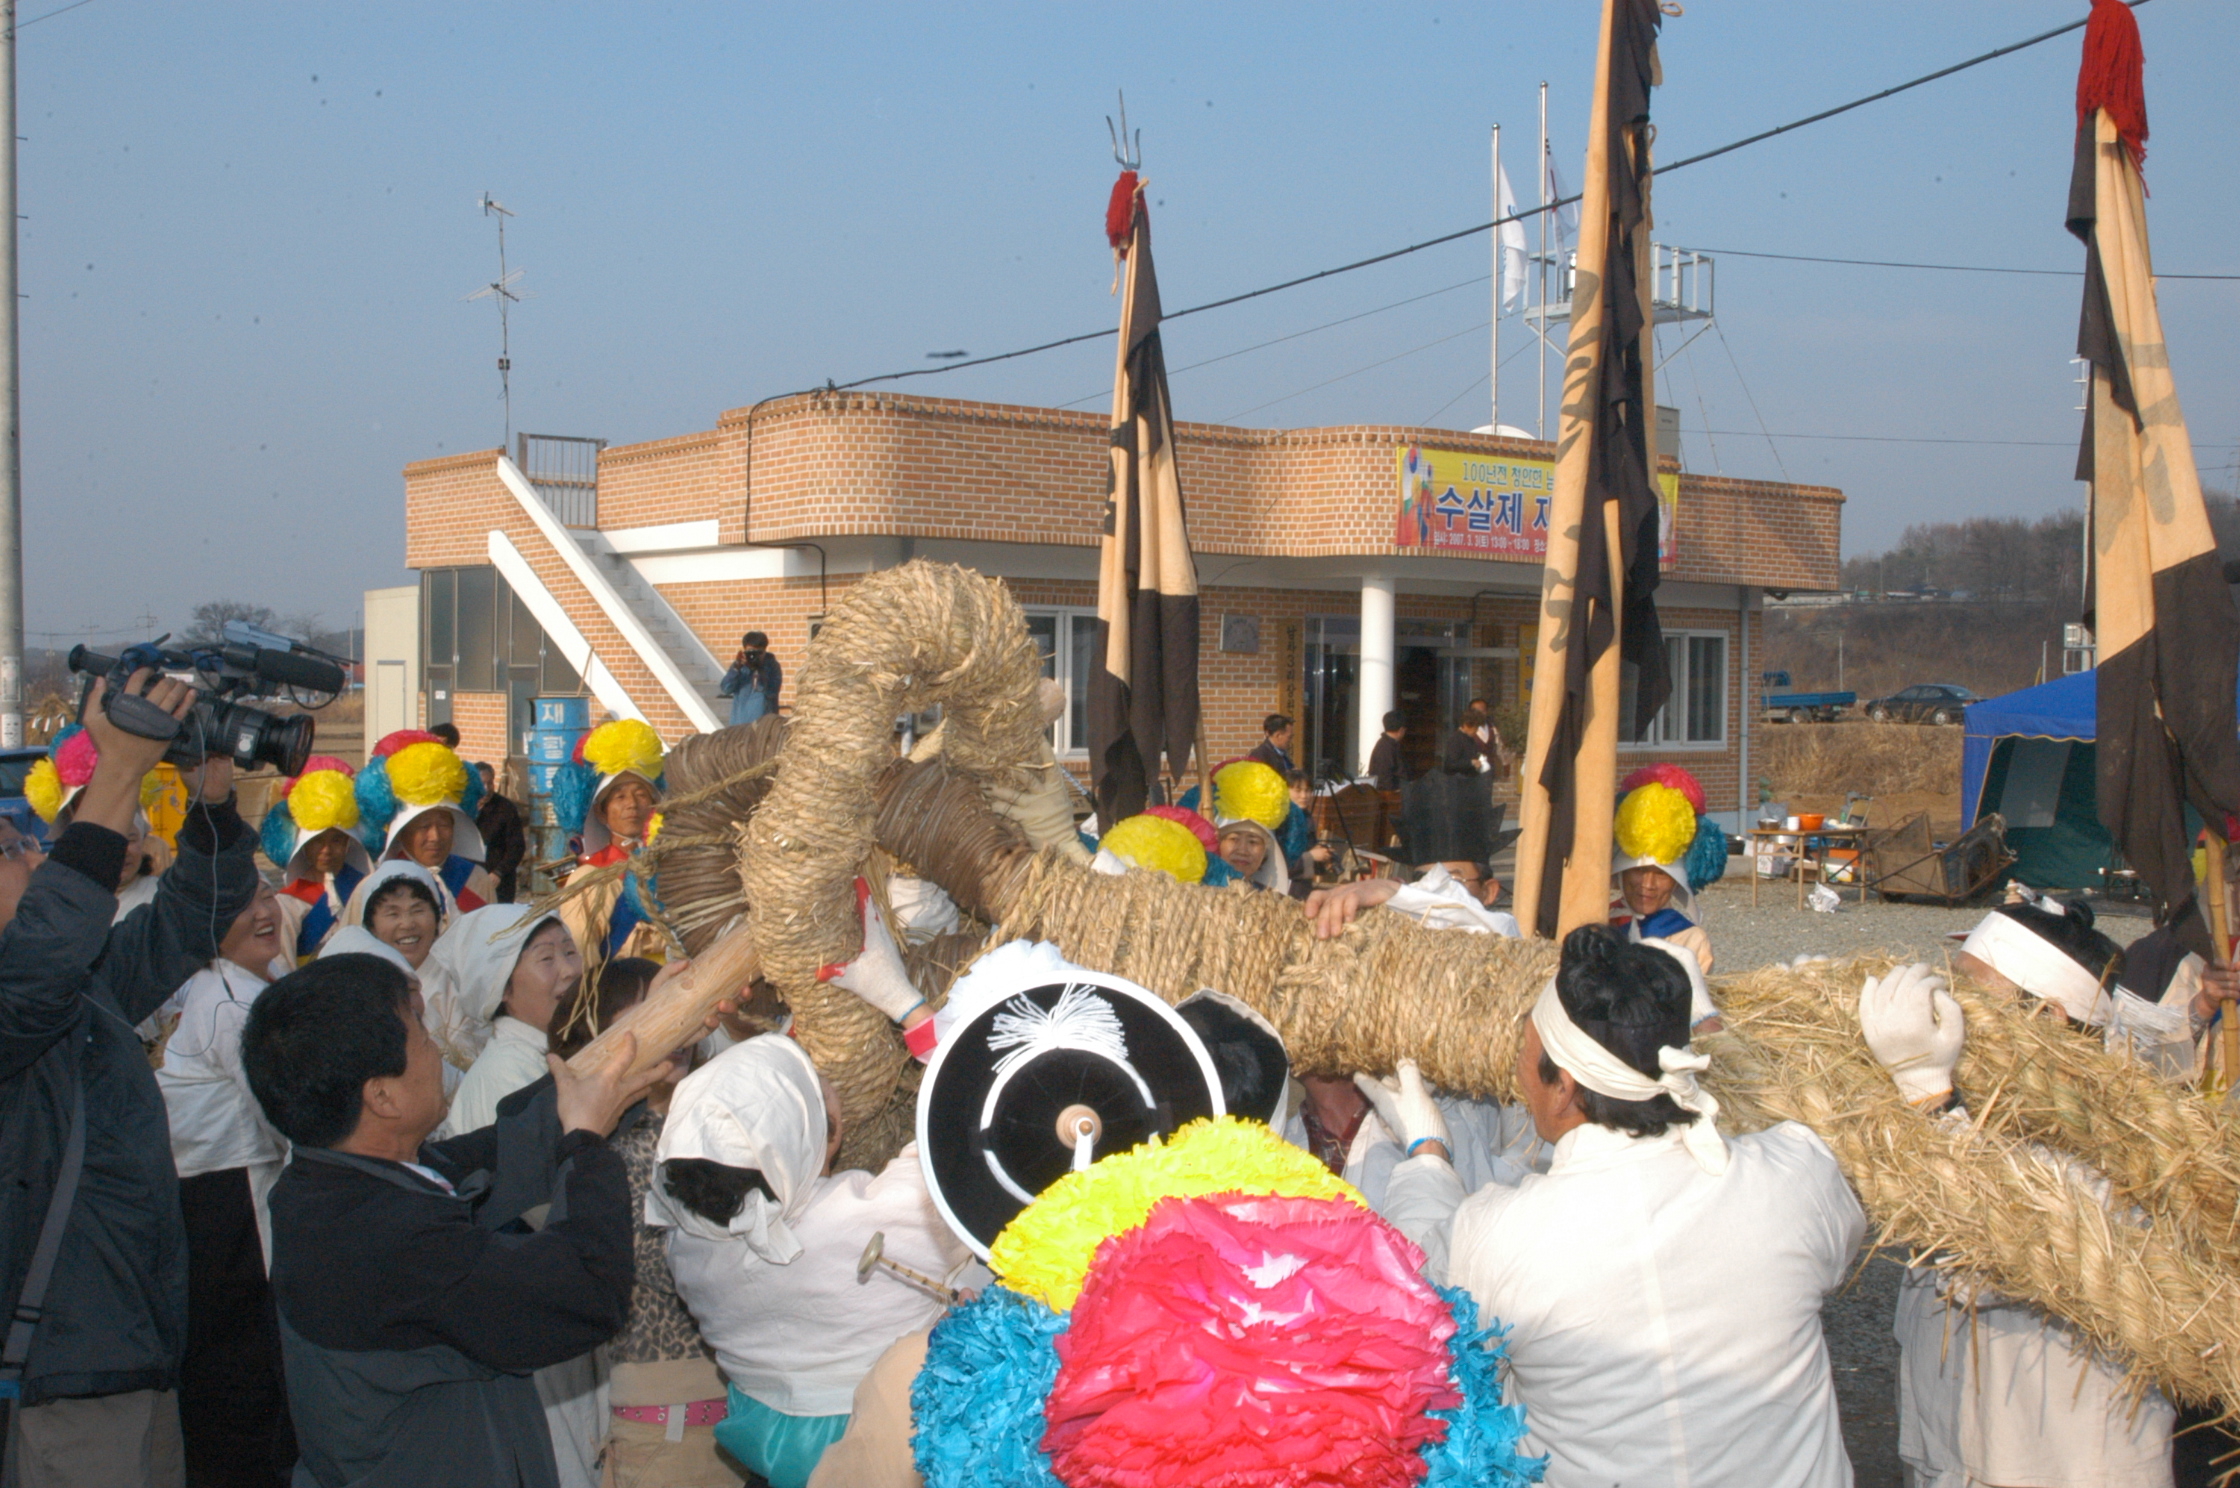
(1785, 706)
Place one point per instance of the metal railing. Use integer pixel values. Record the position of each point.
(564, 469)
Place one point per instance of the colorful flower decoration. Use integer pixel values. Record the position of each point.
(55, 780)
(1245, 1339)
(1247, 788)
(1181, 1359)
(1655, 824)
(1045, 1253)
(1188, 816)
(1156, 842)
(323, 796)
(1676, 776)
(414, 768)
(623, 746)
(1702, 857)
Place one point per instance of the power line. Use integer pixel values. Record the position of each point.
(1356, 372)
(1885, 263)
(1444, 238)
(50, 15)
(1295, 335)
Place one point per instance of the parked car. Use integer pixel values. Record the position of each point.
(1925, 702)
(15, 768)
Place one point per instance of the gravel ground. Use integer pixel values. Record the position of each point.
(1745, 938)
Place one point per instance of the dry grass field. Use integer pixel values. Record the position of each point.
(1903, 767)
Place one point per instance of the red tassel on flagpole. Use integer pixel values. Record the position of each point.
(1120, 213)
(2112, 75)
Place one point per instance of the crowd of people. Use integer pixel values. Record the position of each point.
(304, 1190)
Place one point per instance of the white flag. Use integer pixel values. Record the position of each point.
(1510, 234)
(1567, 217)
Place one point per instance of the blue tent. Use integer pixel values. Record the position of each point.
(2029, 756)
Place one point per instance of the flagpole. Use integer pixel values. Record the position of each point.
(1493, 420)
(1585, 885)
(1540, 268)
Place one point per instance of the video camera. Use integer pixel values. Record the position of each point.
(247, 662)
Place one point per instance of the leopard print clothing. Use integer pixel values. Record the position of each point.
(660, 1330)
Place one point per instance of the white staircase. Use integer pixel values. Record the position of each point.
(679, 662)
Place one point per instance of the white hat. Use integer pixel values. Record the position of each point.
(756, 1105)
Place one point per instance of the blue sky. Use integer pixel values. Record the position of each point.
(250, 227)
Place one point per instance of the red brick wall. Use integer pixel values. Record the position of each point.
(881, 464)
(452, 505)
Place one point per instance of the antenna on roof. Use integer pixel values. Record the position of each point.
(501, 289)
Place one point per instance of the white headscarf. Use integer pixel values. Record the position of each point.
(357, 940)
(466, 837)
(478, 953)
(1273, 873)
(756, 1105)
(2038, 967)
(1605, 1073)
(354, 913)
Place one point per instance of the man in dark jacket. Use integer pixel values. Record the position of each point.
(99, 1401)
(505, 837)
(1385, 769)
(415, 1297)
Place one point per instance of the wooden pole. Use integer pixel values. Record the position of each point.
(675, 1015)
(1562, 622)
(2228, 1050)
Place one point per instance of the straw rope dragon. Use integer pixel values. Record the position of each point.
(782, 815)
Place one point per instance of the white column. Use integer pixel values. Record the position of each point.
(1376, 661)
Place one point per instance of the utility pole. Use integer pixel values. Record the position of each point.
(11, 408)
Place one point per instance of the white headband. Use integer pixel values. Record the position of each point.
(2038, 966)
(1605, 1073)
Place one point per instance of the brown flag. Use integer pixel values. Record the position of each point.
(1598, 617)
(2168, 636)
(1143, 694)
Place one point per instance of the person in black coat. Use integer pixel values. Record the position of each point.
(505, 837)
(99, 1402)
(415, 1297)
(1386, 770)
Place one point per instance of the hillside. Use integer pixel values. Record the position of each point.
(1990, 648)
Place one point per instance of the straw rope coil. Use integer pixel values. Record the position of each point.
(901, 641)
(715, 782)
(1987, 1199)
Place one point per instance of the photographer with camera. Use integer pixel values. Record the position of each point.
(752, 682)
(92, 1242)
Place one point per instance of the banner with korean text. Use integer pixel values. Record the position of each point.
(1492, 506)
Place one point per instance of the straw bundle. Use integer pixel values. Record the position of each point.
(2160, 1288)
(715, 782)
(1983, 1196)
(900, 642)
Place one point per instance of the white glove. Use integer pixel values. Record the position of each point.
(1916, 1028)
(1404, 1104)
(876, 975)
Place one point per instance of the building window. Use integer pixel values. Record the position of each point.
(1695, 716)
(1067, 639)
(477, 636)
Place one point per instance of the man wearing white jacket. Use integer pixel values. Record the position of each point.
(1992, 1391)
(1661, 1284)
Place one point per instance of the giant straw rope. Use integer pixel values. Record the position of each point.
(2152, 1275)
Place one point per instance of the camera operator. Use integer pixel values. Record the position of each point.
(752, 682)
(99, 1402)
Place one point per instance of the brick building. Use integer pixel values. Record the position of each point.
(1337, 578)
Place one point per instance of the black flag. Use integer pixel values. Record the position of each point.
(2168, 636)
(1598, 587)
(1143, 694)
